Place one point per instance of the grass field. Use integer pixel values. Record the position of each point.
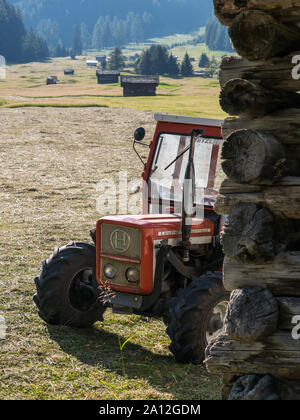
(25, 85)
(51, 161)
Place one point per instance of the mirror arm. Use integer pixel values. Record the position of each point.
(134, 148)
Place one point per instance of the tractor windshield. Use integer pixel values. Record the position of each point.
(169, 165)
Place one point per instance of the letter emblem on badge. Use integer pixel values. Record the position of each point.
(120, 240)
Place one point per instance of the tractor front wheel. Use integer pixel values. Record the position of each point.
(196, 316)
(66, 290)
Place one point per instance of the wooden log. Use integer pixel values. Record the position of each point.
(282, 201)
(256, 35)
(276, 73)
(285, 124)
(252, 315)
(230, 187)
(289, 307)
(226, 11)
(277, 355)
(254, 388)
(254, 157)
(281, 276)
(252, 234)
(242, 97)
(284, 10)
(287, 389)
(248, 234)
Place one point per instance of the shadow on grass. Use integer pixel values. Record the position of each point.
(100, 348)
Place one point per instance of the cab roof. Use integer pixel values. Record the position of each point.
(188, 120)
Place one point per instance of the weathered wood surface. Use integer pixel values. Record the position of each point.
(252, 315)
(285, 124)
(254, 388)
(230, 187)
(283, 10)
(226, 11)
(249, 234)
(276, 73)
(289, 307)
(287, 389)
(256, 35)
(277, 355)
(281, 276)
(254, 157)
(242, 97)
(282, 201)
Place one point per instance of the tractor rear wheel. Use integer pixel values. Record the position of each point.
(196, 317)
(66, 290)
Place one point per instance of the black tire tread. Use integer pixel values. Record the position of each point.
(187, 314)
(52, 298)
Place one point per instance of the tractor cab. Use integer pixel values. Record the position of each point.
(164, 171)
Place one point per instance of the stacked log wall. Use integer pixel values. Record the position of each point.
(258, 353)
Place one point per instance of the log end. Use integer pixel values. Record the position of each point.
(254, 388)
(257, 35)
(253, 157)
(252, 315)
(248, 234)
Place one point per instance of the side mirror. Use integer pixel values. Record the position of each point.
(139, 134)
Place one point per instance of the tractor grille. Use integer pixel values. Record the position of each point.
(120, 247)
(119, 240)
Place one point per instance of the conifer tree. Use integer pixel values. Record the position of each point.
(173, 67)
(204, 60)
(77, 42)
(116, 60)
(186, 66)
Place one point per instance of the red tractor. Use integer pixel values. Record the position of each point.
(165, 263)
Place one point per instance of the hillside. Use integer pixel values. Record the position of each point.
(17, 44)
(155, 17)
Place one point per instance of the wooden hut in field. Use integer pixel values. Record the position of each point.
(139, 85)
(51, 80)
(69, 72)
(107, 76)
(91, 63)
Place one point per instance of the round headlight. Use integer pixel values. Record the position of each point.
(110, 271)
(133, 275)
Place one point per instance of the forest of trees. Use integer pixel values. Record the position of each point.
(216, 36)
(58, 31)
(109, 32)
(157, 60)
(130, 20)
(17, 44)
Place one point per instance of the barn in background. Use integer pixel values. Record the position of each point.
(139, 85)
(68, 72)
(107, 76)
